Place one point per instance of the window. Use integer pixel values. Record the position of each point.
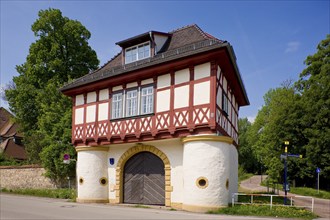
(131, 103)
(139, 101)
(224, 103)
(117, 105)
(138, 52)
(147, 100)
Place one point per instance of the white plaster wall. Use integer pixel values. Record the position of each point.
(219, 98)
(202, 70)
(103, 113)
(104, 94)
(224, 85)
(202, 93)
(233, 174)
(91, 97)
(181, 96)
(116, 88)
(79, 116)
(131, 85)
(182, 76)
(218, 72)
(80, 99)
(91, 166)
(163, 81)
(147, 81)
(90, 113)
(163, 101)
(115, 152)
(173, 149)
(208, 159)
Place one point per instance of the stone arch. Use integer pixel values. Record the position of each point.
(131, 152)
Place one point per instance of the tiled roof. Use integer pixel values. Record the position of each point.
(187, 35)
(8, 130)
(183, 42)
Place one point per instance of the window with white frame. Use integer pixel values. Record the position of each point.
(117, 105)
(147, 100)
(131, 103)
(139, 101)
(137, 52)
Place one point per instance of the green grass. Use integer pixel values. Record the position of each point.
(310, 192)
(50, 193)
(260, 210)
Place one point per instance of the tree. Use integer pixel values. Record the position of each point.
(246, 156)
(276, 122)
(314, 86)
(298, 113)
(61, 53)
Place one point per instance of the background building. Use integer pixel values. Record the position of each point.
(10, 140)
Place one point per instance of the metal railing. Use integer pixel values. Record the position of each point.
(295, 201)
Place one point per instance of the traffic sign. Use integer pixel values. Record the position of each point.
(66, 157)
(318, 170)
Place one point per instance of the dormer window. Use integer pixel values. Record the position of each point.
(137, 52)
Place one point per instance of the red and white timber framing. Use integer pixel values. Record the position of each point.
(195, 118)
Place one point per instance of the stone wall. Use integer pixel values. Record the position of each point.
(27, 176)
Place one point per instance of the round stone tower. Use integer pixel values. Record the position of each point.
(210, 169)
(92, 176)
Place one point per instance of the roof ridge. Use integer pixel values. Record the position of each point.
(201, 31)
(204, 34)
(182, 28)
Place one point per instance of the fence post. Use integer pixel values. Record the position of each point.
(291, 200)
(271, 201)
(252, 199)
(312, 204)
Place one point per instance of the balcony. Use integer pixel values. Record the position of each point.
(169, 124)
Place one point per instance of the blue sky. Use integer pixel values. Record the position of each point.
(271, 39)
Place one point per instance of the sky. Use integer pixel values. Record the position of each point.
(271, 39)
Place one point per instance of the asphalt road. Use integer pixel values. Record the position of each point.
(27, 207)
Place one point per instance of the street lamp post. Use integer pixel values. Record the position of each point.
(285, 157)
(286, 171)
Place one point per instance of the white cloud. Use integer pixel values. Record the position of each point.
(292, 46)
(251, 119)
(2, 89)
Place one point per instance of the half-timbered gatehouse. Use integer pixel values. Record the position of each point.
(157, 124)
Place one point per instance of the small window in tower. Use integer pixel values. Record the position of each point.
(202, 182)
(103, 181)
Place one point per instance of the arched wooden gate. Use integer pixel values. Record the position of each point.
(144, 179)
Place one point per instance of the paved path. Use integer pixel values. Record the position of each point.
(321, 206)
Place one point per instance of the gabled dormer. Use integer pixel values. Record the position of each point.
(143, 46)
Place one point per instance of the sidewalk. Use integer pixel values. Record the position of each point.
(252, 185)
